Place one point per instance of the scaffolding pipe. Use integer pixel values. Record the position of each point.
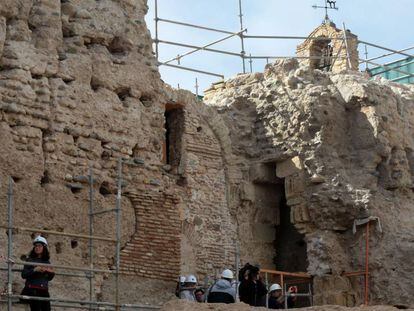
(237, 270)
(289, 57)
(292, 37)
(199, 47)
(194, 26)
(349, 65)
(366, 264)
(79, 275)
(156, 29)
(389, 54)
(193, 70)
(10, 244)
(243, 52)
(90, 234)
(28, 263)
(96, 303)
(74, 235)
(203, 47)
(118, 232)
(103, 211)
(387, 49)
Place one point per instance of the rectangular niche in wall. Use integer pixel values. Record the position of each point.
(174, 130)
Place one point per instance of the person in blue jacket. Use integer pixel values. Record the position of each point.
(38, 277)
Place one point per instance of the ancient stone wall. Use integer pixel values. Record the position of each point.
(342, 144)
(80, 89)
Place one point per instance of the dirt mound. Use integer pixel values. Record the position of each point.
(182, 305)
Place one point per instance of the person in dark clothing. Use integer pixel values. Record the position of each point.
(275, 297)
(38, 277)
(223, 290)
(252, 290)
(277, 300)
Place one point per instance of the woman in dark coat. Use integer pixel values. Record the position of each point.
(38, 277)
(252, 290)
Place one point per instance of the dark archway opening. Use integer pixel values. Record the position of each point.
(291, 251)
(322, 53)
(290, 244)
(174, 130)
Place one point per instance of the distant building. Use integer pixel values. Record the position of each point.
(403, 66)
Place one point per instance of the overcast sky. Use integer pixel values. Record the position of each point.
(384, 22)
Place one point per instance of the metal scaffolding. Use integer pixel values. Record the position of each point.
(248, 56)
(89, 272)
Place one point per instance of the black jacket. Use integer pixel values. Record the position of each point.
(36, 279)
(253, 293)
(275, 304)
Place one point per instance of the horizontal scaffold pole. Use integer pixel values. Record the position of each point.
(199, 47)
(194, 26)
(192, 69)
(74, 235)
(384, 48)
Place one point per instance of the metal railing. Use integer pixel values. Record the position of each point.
(289, 278)
(91, 304)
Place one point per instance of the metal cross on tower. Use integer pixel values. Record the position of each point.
(329, 5)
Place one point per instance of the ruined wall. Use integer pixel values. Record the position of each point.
(79, 89)
(327, 44)
(343, 146)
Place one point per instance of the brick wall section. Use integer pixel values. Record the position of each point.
(154, 250)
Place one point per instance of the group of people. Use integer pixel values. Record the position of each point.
(251, 290)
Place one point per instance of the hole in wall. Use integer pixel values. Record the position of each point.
(58, 247)
(104, 189)
(75, 189)
(199, 129)
(123, 93)
(45, 179)
(74, 244)
(16, 179)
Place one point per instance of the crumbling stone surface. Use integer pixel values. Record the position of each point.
(343, 145)
(79, 90)
(175, 305)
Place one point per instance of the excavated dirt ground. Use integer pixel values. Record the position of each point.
(181, 305)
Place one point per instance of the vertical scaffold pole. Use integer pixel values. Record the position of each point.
(156, 29)
(118, 232)
(237, 269)
(90, 234)
(366, 298)
(10, 245)
(267, 290)
(243, 52)
(366, 58)
(348, 57)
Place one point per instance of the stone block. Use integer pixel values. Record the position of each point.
(288, 167)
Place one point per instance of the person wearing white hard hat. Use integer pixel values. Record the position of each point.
(187, 291)
(38, 277)
(276, 298)
(223, 291)
(180, 285)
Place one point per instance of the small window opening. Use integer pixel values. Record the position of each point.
(174, 129)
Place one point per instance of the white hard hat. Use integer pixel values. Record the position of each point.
(191, 279)
(40, 239)
(227, 274)
(182, 279)
(275, 287)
